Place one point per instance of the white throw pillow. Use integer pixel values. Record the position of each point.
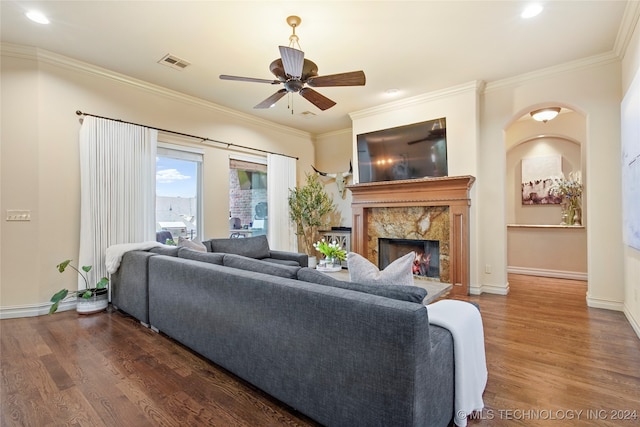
(399, 272)
(191, 244)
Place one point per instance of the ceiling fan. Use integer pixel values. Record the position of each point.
(298, 74)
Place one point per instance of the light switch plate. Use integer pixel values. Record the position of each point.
(18, 215)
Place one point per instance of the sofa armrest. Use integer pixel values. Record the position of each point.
(130, 285)
(302, 259)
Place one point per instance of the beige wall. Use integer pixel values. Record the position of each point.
(631, 257)
(333, 153)
(39, 159)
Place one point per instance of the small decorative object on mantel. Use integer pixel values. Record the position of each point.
(570, 190)
(333, 254)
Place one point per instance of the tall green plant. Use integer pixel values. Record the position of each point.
(308, 208)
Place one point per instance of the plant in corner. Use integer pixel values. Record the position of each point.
(308, 208)
(83, 294)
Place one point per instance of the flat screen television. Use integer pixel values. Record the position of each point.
(412, 151)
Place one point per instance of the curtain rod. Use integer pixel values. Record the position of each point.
(202, 139)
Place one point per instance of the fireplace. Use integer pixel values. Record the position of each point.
(427, 261)
(418, 209)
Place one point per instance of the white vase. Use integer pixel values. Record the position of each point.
(95, 304)
(313, 261)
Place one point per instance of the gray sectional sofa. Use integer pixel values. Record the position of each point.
(344, 354)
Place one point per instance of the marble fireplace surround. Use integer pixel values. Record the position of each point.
(424, 209)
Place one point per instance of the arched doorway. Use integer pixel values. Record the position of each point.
(537, 242)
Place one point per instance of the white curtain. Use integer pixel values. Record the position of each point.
(281, 176)
(117, 189)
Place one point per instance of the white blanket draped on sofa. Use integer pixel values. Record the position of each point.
(464, 322)
(114, 253)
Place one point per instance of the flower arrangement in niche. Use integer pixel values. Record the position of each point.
(570, 192)
(330, 250)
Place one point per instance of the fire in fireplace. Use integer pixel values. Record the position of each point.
(427, 262)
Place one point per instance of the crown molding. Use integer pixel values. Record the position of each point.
(579, 64)
(48, 57)
(628, 25)
(475, 86)
(333, 133)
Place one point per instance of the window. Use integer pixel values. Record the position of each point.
(248, 209)
(179, 191)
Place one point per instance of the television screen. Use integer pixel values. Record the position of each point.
(413, 151)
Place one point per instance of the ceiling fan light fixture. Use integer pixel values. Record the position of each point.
(545, 114)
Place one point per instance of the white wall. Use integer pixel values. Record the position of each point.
(631, 257)
(39, 159)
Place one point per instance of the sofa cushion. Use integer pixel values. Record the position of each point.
(281, 261)
(399, 272)
(191, 244)
(253, 247)
(250, 264)
(210, 257)
(165, 250)
(397, 292)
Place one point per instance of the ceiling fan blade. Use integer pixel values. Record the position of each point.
(267, 103)
(293, 60)
(353, 78)
(277, 69)
(320, 101)
(248, 79)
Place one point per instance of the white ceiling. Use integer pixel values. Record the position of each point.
(412, 46)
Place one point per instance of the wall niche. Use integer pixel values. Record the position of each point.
(536, 242)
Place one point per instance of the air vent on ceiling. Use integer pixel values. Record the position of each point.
(307, 114)
(174, 62)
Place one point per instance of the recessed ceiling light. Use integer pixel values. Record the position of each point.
(531, 11)
(38, 17)
(392, 92)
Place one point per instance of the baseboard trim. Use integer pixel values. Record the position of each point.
(489, 289)
(557, 274)
(632, 321)
(605, 304)
(33, 310)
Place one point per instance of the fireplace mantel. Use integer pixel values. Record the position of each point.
(452, 191)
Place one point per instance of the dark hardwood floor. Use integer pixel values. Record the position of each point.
(551, 361)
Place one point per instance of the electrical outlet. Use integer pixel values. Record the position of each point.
(487, 268)
(18, 215)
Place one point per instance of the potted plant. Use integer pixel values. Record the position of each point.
(90, 300)
(309, 206)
